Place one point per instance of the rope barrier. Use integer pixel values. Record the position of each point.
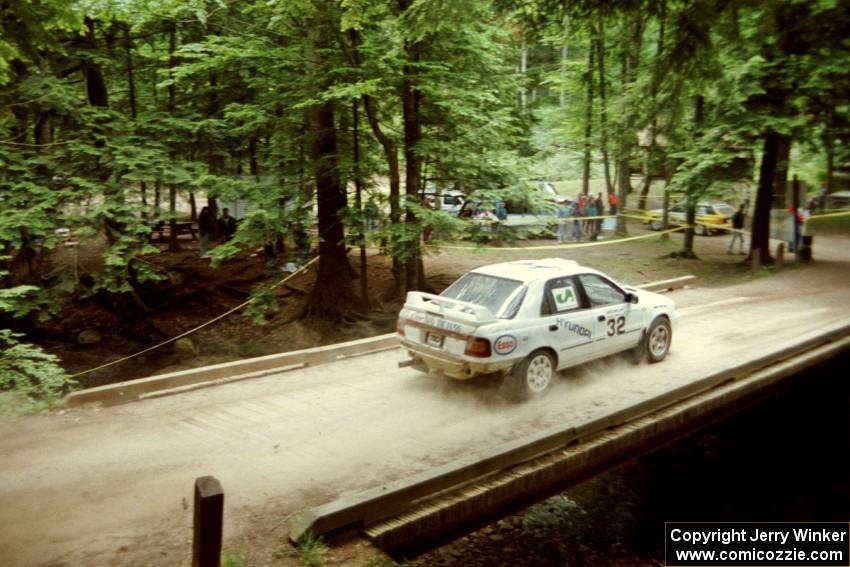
(198, 328)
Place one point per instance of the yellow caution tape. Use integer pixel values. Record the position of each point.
(559, 246)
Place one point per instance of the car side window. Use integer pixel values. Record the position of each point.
(704, 210)
(600, 291)
(561, 295)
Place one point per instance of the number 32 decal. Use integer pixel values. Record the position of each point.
(616, 326)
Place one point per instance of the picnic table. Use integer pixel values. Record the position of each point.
(161, 230)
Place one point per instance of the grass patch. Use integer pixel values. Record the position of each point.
(232, 559)
(311, 551)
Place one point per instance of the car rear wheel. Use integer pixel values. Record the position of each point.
(700, 230)
(658, 339)
(532, 377)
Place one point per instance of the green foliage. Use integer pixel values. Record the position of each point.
(30, 379)
(262, 304)
(311, 550)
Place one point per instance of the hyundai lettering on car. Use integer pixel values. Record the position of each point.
(525, 320)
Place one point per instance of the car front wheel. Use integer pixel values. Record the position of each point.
(532, 377)
(658, 339)
(655, 224)
(700, 230)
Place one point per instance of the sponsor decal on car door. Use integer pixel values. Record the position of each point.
(565, 321)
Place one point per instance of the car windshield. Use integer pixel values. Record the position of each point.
(487, 291)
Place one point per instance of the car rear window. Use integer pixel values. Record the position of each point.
(488, 291)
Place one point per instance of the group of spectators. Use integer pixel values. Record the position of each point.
(207, 224)
(583, 216)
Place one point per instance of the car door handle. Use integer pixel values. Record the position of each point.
(553, 327)
(601, 318)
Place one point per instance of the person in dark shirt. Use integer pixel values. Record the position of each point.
(205, 228)
(226, 224)
(737, 230)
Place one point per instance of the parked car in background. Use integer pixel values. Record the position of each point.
(451, 200)
(525, 320)
(712, 217)
(838, 200)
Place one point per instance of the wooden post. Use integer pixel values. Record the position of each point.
(780, 255)
(209, 514)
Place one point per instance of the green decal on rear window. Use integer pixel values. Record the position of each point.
(565, 298)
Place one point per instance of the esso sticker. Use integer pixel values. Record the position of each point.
(504, 344)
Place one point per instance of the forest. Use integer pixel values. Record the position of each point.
(112, 112)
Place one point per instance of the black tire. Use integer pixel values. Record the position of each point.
(658, 339)
(532, 377)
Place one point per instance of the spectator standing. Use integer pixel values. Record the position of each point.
(205, 228)
(226, 224)
(563, 215)
(590, 225)
(372, 212)
(737, 230)
(600, 208)
(577, 213)
(613, 201)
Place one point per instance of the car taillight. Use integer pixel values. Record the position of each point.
(721, 220)
(476, 346)
(399, 326)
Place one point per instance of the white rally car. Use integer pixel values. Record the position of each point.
(527, 319)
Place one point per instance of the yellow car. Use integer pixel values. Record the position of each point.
(711, 217)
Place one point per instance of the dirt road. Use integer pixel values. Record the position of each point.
(114, 486)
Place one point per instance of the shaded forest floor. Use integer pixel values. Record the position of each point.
(97, 330)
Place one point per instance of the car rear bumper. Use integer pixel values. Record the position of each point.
(443, 364)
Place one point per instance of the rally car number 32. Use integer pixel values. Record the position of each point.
(528, 319)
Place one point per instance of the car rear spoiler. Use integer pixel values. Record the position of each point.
(450, 308)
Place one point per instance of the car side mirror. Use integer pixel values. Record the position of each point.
(632, 297)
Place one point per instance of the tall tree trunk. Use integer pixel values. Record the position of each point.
(562, 98)
(693, 192)
(603, 107)
(95, 84)
(780, 185)
(650, 157)
(331, 297)
(173, 244)
(410, 102)
(829, 144)
(588, 123)
(358, 195)
(523, 68)
(760, 232)
(390, 148)
(630, 58)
